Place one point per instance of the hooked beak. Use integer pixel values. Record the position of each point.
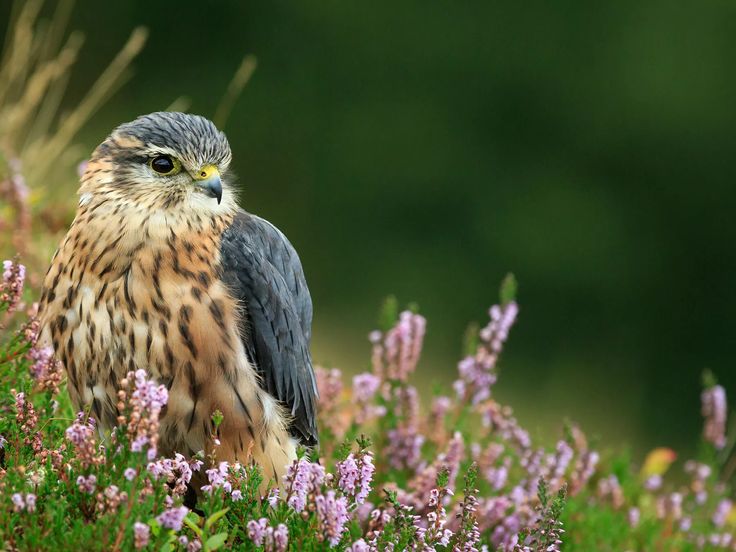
(208, 180)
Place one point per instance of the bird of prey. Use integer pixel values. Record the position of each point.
(162, 271)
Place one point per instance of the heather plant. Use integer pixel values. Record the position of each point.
(393, 471)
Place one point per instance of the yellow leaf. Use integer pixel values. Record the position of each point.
(657, 462)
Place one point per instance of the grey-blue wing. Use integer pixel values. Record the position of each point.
(263, 271)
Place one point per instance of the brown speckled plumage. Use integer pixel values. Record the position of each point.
(139, 283)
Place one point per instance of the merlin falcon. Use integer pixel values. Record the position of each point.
(162, 271)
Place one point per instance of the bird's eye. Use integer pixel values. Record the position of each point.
(165, 165)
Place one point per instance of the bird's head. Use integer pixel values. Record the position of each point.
(165, 161)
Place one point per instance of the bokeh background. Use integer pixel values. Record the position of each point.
(425, 149)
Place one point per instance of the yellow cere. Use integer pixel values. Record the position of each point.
(207, 171)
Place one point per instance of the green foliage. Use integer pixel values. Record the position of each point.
(509, 287)
(389, 313)
(58, 491)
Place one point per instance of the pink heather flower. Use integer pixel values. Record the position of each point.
(347, 471)
(497, 512)
(440, 406)
(41, 358)
(404, 442)
(670, 506)
(173, 518)
(699, 471)
(146, 402)
(87, 484)
(194, 546)
(257, 530)
(468, 536)
(129, 474)
(653, 482)
(365, 387)
(280, 538)
(355, 476)
(236, 495)
(149, 395)
(27, 418)
(558, 464)
(359, 546)
(273, 497)
(436, 532)
(396, 354)
(478, 372)
(82, 435)
(634, 517)
(11, 285)
(715, 412)
(366, 476)
(404, 447)
(15, 187)
(110, 499)
(497, 476)
(302, 478)
(721, 513)
(720, 540)
(329, 383)
(141, 535)
(584, 469)
(500, 420)
(46, 370)
(218, 478)
(425, 479)
(699, 474)
(332, 514)
(175, 470)
(18, 503)
(272, 539)
(610, 488)
(138, 443)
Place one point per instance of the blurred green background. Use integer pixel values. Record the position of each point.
(425, 149)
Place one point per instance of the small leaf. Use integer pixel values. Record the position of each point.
(155, 527)
(342, 451)
(657, 462)
(363, 441)
(215, 541)
(443, 477)
(470, 339)
(542, 492)
(709, 379)
(389, 313)
(217, 418)
(214, 518)
(509, 288)
(193, 526)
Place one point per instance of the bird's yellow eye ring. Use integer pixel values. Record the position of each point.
(165, 165)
